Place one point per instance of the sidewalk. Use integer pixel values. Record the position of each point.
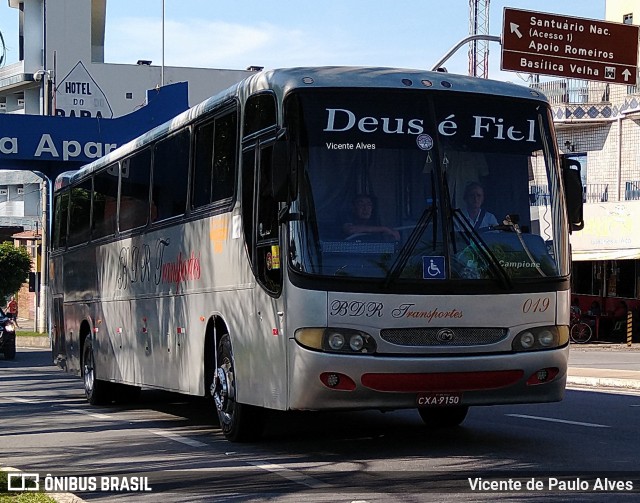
(603, 364)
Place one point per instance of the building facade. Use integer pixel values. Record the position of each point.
(598, 124)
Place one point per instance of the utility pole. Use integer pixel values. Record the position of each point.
(41, 288)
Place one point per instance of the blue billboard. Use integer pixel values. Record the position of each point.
(53, 144)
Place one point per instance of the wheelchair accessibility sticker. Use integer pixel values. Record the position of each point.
(433, 267)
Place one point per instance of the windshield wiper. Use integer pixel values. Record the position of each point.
(407, 250)
(482, 247)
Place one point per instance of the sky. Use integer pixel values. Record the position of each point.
(238, 34)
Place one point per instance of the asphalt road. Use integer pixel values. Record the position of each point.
(581, 449)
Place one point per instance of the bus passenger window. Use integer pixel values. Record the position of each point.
(134, 190)
(214, 170)
(170, 173)
(105, 196)
(60, 212)
(224, 157)
(202, 168)
(80, 211)
(260, 113)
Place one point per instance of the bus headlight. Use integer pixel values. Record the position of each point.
(336, 340)
(541, 338)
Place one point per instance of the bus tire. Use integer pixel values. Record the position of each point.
(239, 422)
(448, 417)
(98, 392)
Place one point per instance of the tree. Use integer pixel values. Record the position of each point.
(15, 265)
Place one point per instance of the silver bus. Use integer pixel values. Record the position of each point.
(324, 239)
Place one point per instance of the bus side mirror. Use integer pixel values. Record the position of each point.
(573, 192)
(283, 170)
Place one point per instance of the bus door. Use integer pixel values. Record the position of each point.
(262, 232)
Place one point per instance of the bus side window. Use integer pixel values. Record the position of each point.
(224, 157)
(202, 166)
(170, 174)
(259, 113)
(134, 190)
(60, 212)
(80, 212)
(105, 198)
(214, 170)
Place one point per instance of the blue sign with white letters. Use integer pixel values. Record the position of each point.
(52, 145)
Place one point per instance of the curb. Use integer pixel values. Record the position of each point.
(603, 382)
(23, 341)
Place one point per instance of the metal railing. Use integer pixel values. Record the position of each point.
(591, 193)
(574, 91)
(539, 195)
(632, 191)
(595, 193)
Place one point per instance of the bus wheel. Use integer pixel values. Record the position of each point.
(97, 391)
(239, 422)
(443, 418)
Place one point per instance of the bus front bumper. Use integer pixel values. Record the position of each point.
(324, 381)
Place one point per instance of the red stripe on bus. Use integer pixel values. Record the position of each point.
(442, 381)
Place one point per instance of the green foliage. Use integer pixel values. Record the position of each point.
(15, 264)
(18, 497)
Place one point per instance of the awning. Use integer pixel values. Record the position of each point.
(579, 256)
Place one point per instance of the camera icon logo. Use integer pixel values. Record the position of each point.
(23, 482)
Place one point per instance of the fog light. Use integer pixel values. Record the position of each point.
(337, 381)
(543, 376)
(333, 380)
(336, 341)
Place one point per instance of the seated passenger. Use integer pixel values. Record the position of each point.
(477, 217)
(362, 220)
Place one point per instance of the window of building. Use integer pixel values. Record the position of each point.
(627, 18)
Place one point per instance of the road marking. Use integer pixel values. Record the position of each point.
(179, 438)
(292, 475)
(552, 420)
(21, 400)
(92, 414)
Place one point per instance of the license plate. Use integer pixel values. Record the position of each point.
(439, 399)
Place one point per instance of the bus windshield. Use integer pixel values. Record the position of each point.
(418, 186)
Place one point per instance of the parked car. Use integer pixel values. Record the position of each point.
(7, 336)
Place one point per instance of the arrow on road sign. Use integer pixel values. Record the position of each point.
(514, 29)
(626, 74)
